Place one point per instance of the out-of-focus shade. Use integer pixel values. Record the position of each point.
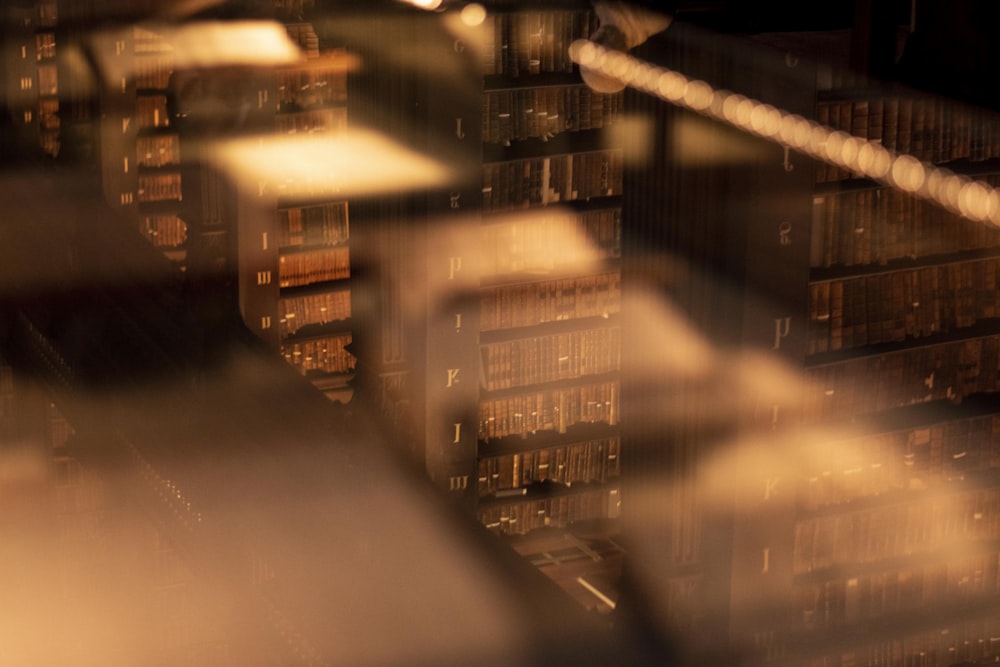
(423, 4)
(473, 14)
(351, 163)
(200, 45)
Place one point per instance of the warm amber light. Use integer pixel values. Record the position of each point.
(972, 199)
(908, 173)
(672, 85)
(698, 95)
(473, 14)
(353, 162)
(424, 4)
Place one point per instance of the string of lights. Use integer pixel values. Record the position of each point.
(965, 196)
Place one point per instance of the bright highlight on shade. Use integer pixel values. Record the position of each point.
(423, 4)
(974, 200)
(200, 45)
(350, 163)
(473, 14)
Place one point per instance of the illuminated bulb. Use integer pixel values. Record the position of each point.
(881, 162)
(621, 66)
(698, 95)
(974, 201)
(817, 139)
(834, 142)
(730, 107)
(744, 112)
(866, 157)
(645, 77)
(951, 190)
(473, 14)
(936, 183)
(719, 100)
(850, 151)
(803, 133)
(672, 85)
(786, 133)
(765, 120)
(908, 173)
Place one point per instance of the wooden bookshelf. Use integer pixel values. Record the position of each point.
(528, 43)
(325, 354)
(517, 114)
(548, 408)
(518, 518)
(876, 226)
(550, 358)
(314, 266)
(593, 461)
(947, 371)
(879, 466)
(296, 312)
(901, 305)
(931, 129)
(317, 225)
(547, 180)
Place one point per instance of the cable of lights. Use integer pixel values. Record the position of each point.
(969, 198)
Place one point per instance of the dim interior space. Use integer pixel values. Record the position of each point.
(513, 332)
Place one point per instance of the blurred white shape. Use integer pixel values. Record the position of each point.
(636, 135)
(354, 162)
(423, 4)
(237, 43)
(698, 142)
(473, 14)
(195, 45)
(671, 347)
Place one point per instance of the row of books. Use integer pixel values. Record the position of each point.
(531, 42)
(873, 595)
(914, 459)
(944, 371)
(541, 112)
(549, 240)
(591, 461)
(878, 225)
(314, 266)
(323, 355)
(151, 111)
(901, 305)
(540, 181)
(326, 224)
(519, 518)
(550, 409)
(529, 304)
(164, 231)
(881, 533)
(48, 114)
(152, 72)
(961, 641)
(48, 80)
(550, 358)
(333, 119)
(930, 129)
(160, 187)
(301, 311)
(304, 36)
(311, 87)
(840, 78)
(157, 150)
